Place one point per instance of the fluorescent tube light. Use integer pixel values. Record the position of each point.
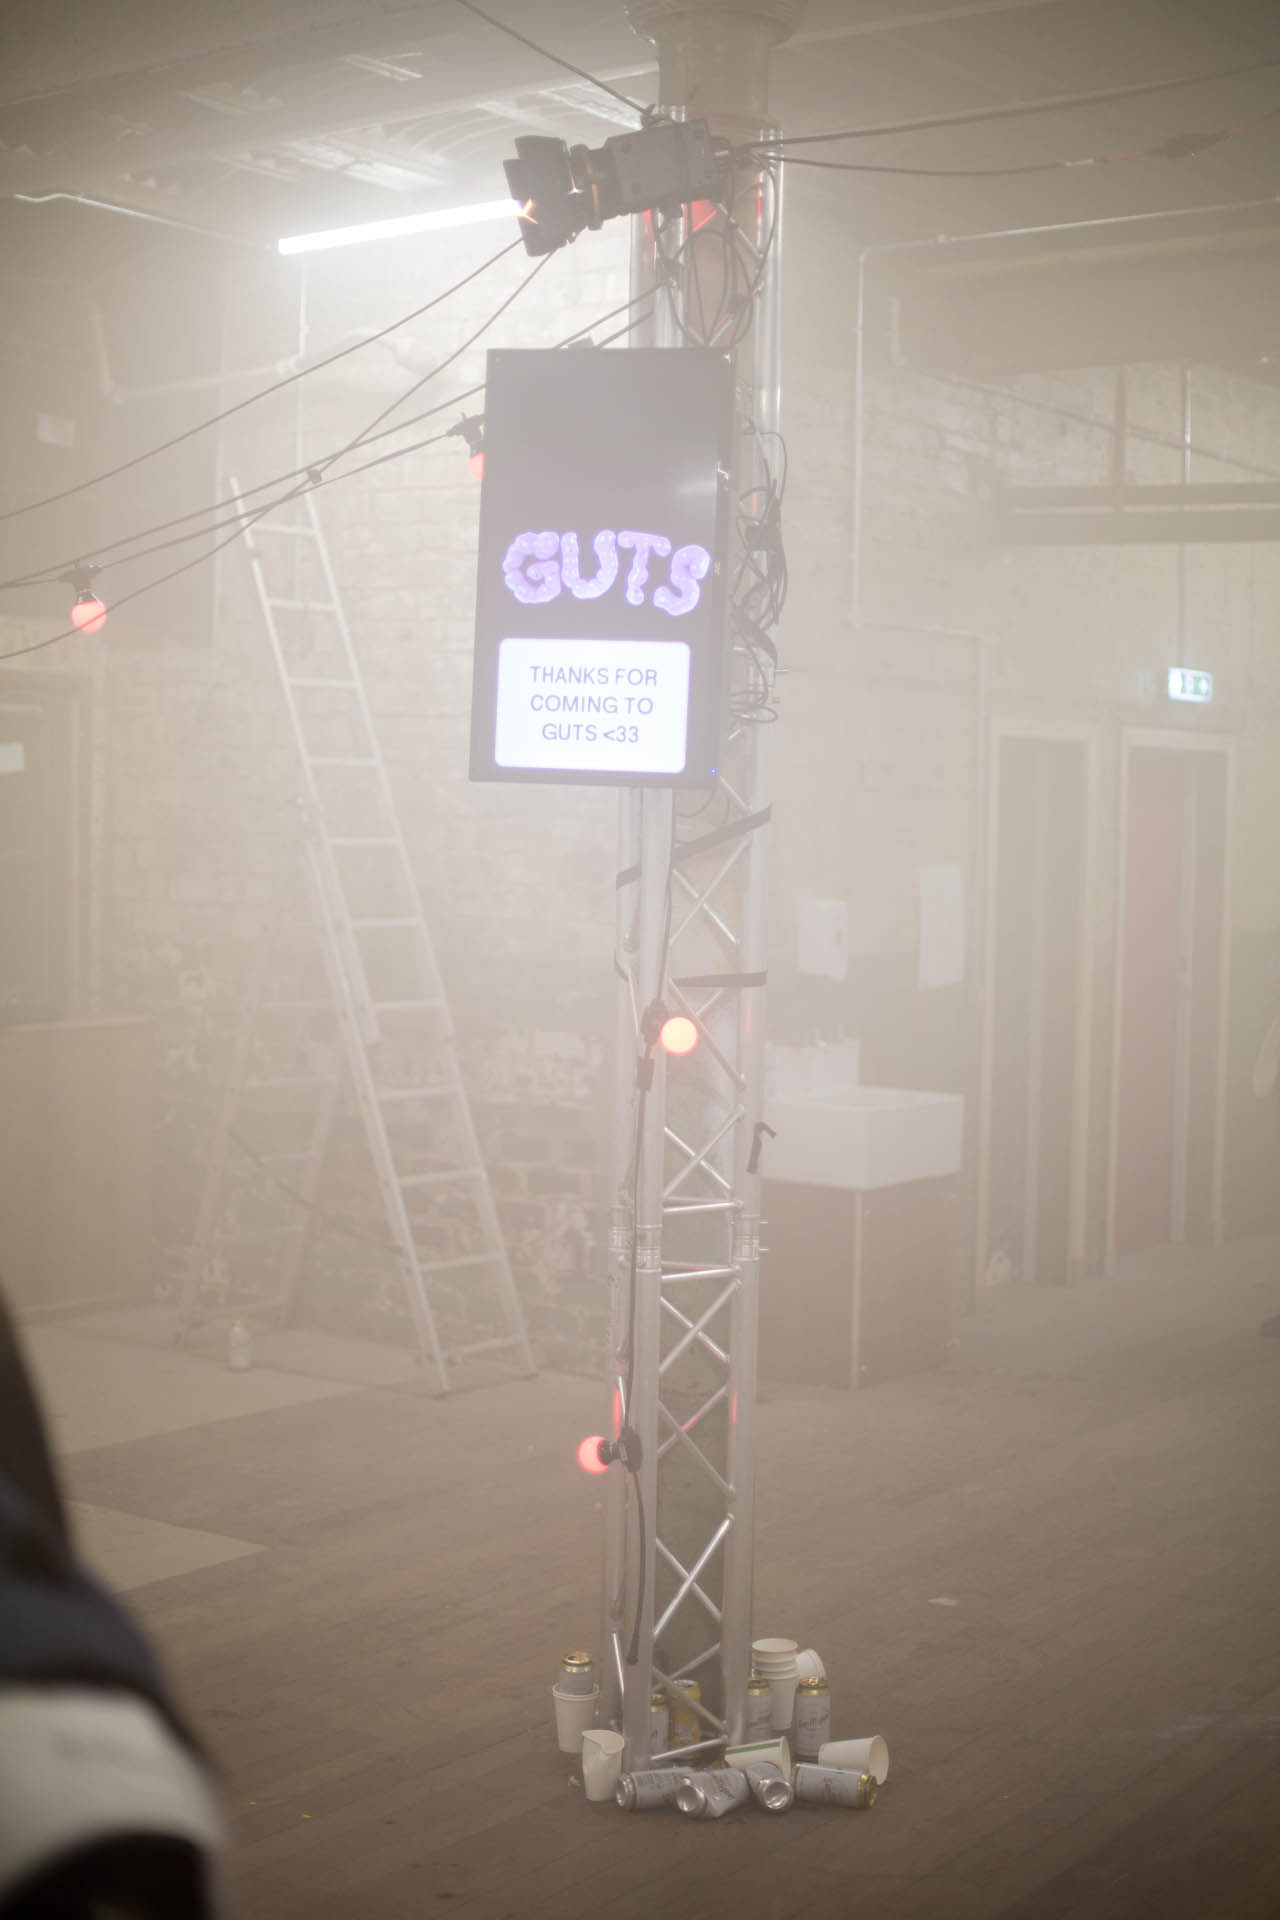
(397, 228)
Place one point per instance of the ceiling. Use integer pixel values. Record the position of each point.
(247, 119)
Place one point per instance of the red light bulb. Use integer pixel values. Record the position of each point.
(678, 1034)
(88, 614)
(476, 463)
(589, 1454)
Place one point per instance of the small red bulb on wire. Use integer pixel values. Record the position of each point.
(471, 429)
(88, 613)
(589, 1454)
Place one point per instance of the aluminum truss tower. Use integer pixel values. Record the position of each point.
(690, 939)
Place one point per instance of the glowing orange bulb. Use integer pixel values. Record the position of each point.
(589, 1454)
(476, 463)
(679, 1035)
(88, 615)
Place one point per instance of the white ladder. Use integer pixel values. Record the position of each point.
(383, 984)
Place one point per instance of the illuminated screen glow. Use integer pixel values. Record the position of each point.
(618, 706)
(604, 525)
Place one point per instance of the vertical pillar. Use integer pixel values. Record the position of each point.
(691, 933)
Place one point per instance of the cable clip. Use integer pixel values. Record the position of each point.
(757, 1142)
(626, 1449)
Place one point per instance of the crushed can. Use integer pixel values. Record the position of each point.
(710, 1794)
(835, 1786)
(654, 1787)
(811, 1723)
(771, 1789)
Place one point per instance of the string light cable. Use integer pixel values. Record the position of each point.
(313, 480)
(101, 556)
(642, 113)
(1178, 146)
(310, 479)
(974, 116)
(742, 270)
(278, 386)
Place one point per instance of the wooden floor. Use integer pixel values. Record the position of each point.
(1049, 1576)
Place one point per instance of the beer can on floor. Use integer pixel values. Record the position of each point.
(659, 1721)
(716, 1791)
(686, 1727)
(759, 1720)
(654, 1787)
(811, 1725)
(772, 1792)
(835, 1786)
(576, 1674)
(239, 1347)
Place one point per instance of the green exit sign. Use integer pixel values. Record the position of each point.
(1190, 683)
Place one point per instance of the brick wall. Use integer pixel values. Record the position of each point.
(879, 757)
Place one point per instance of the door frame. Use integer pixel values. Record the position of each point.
(1002, 728)
(1170, 739)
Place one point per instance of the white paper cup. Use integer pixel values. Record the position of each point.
(575, 1712)
(771, 1649)
(809, 1665)
(861, 1756)
(601, 1762)
(777, 1752)
(783, 1691)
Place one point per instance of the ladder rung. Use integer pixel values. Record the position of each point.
(451, 1178)
(463, 1260)
(400, 923)
(311, 680)
(484, 1346)
(304, 606)
(390, 1094)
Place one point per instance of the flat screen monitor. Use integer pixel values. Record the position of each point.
(604, 520)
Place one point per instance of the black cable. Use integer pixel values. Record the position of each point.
(202, 426)
(1178, 146)
(336, 1222)
(56, 569)
(935, 173)
(367, 433)
(317, 468)
(243, 525)
(643, 113)
(1053, 103)
(633, 1651)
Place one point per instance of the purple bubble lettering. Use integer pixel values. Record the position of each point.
(688, 566)
(533, 584)
(642, 545)
(538, 566)
(606, 552)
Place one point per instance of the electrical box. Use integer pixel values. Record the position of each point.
(604, 525)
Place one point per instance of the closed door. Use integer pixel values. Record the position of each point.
(1175, 857)
(1035, 1008)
